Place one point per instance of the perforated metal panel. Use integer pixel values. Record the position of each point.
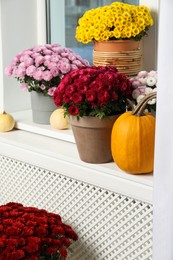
(110, 225)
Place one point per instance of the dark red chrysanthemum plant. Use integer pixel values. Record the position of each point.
(93, 91)
(34, 234)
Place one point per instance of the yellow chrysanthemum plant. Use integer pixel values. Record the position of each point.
(115, 21)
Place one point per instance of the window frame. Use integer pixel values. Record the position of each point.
(148, 44)
(12, 99)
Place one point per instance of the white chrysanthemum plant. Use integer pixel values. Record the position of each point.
(143, 84)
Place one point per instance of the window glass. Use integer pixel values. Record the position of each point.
(74, 9)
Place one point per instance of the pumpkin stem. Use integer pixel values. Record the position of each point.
(131, 104)
(139, 109)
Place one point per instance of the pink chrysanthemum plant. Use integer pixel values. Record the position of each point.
(97, 91)
(144, 83)
(42, 67)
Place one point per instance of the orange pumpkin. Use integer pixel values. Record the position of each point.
(132, 139)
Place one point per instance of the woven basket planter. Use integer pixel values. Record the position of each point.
(125, 55)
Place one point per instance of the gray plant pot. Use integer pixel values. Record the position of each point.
(42, 108)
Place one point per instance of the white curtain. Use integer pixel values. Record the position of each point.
(163, 170)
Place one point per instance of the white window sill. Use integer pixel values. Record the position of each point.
(24, 122)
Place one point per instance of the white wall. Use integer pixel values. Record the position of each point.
(19, 24)
(150, 43)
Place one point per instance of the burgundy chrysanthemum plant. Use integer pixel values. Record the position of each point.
(93, 91)
(31, 233)
(42, 67)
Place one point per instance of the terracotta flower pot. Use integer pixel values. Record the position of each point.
(125, 55)
(93, 138)
(116, 45)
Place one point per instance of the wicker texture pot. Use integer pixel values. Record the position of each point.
(93, 138)
(125, 55)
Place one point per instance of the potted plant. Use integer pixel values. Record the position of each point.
(143, 84)
(115, 30)
(39, 70)
(31, 233)
(93, 97)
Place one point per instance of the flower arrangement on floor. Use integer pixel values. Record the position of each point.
(31, 233)
(41, 68)
(143, 84)
(97, 91)
(115, 21)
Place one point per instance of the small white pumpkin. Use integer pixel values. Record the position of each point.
(7, 122)
(58, 121)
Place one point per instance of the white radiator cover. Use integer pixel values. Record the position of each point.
(110, 225)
